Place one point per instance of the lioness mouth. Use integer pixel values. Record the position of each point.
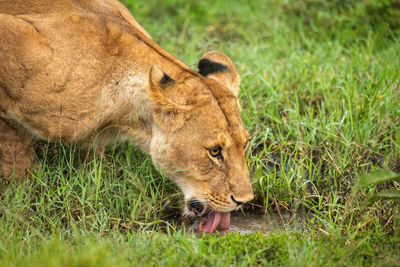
(212, 220)
(215, 220)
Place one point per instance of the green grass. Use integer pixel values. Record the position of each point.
(180, 249)
(320, 96)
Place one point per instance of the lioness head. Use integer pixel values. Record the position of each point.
(199, 139)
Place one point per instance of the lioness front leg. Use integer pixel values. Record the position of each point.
(16, 150)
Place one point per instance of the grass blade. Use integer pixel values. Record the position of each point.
(375, 177)
(393, 194)
(387, 194)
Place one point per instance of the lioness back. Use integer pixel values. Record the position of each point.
(41, 77)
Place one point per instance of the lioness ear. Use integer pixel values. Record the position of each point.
(218, 66)
(165, 99)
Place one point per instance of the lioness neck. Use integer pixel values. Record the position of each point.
(125, 101)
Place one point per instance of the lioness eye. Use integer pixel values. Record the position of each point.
(216, 152)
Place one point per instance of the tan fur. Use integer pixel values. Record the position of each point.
(75, 70)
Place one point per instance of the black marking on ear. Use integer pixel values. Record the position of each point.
(165, 80)
(207, 66)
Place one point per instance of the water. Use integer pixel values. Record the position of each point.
(264, 223)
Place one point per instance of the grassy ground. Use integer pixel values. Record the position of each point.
(320, 95)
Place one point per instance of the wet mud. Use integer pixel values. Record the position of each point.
(257, 222)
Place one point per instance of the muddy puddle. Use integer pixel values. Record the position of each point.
(262, 223)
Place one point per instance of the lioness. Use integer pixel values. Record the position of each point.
(74, 70)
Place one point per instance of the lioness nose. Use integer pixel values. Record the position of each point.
(237, 202)
(240, 201)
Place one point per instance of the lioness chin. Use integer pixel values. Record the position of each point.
(75, 70)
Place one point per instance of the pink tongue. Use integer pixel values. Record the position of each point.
(215, 220)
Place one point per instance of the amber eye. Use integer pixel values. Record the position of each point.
(216, 152)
